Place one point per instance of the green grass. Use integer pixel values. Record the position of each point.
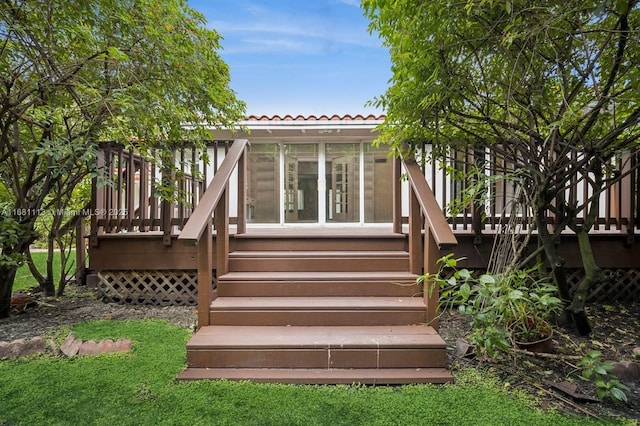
(24, 279)
(140, 389)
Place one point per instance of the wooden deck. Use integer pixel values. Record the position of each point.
(308, 303)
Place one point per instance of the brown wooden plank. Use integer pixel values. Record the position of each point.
(323, 376)
(254, 337)
(141, 252)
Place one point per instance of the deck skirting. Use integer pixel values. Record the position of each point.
(149, 287)
(179, 287)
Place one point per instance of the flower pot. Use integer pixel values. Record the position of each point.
(536, 339)
(542, 345)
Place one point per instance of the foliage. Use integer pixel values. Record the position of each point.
(599, 372)
(499, 305)
(75, 73)
(10, 231)
(140, 388)
(530, 73)
(550, 87)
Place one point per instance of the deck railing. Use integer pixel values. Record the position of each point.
(126, 196)
(429, 231)
(214, 207)
(619, 204)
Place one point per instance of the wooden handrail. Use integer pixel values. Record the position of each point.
(438, 225)
(201, 216)
(198, 229)
(424, 251)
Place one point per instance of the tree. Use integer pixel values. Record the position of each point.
(74, 73)
(552, 87)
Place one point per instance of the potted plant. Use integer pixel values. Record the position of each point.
(505, 309)
(532, 303)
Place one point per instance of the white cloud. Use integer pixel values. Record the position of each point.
(295, 30)
(355, 3)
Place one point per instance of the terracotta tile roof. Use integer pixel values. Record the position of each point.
(335, 117)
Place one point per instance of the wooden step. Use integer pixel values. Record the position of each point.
(318, 240)
(390, 376)
(309, 311)
(324, 261)
(326, 347)
(318, 283)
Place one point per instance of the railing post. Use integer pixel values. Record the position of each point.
(97, 197)
(81, 260)
(626, 198)
(205, 275)
(415, 234)
(221, 216)
(431, 291)
(168, 180)
(242, 194)
(397, 196)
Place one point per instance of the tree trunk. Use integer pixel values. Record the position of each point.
(592, 275)
(577, 316)
(7, 276)
(555, 261)
(47, 284)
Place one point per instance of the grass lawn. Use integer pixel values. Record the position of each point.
(140, 389)
(24, 279)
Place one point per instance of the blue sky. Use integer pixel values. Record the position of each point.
(299, 57)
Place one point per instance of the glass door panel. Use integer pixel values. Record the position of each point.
(378, 188)
(343, 182)
(300, 183)
(263, 178)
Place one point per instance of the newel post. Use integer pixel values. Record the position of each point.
(431, 291)
(415, 234)
(205, 274)
(397, 196)
(221, 216)
(242, 194)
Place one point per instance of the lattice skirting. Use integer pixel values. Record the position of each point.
(160, 288)
(624, 285)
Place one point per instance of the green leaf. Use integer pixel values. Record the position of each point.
(487, 279)
(515, 295)
(464, 274)
(618, 395)
(465, 291)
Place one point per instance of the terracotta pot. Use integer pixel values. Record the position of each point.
(542, 345)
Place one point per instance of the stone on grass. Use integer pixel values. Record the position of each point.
(636, 352)
(22, 347)
(70, 346)
(36, 345)
(122, 345)
(90, 347)
(7, 350)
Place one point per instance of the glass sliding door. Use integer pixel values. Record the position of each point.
(342, 176)
(315, 182)
(300, 183)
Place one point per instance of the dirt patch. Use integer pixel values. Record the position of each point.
(616, 333)
(80, 305)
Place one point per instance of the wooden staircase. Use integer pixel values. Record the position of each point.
(318, 309)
